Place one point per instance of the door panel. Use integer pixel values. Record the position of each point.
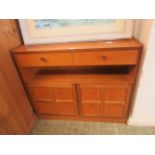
(66, 100)
(41, 93)
(91, 94)
(91, 100)
(113, 110)
(115, 100)
(46, 108)
(63, 94)
(92, 109)
(66, 108)
(115, 93)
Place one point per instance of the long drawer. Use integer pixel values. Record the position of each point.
(47, 59)
(119, 57)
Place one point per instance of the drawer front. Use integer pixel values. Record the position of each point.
(128, 57)
(49, 59)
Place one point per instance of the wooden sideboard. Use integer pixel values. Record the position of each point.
(81, 81)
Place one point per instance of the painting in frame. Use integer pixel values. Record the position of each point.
(45, 31)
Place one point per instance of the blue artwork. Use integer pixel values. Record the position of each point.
(56, 23)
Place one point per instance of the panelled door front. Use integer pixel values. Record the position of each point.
(91, 100)
(55, 99)
(103, 100)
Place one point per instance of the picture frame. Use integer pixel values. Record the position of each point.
(45, 31)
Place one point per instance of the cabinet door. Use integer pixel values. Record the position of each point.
(103, 100)
(116, 100)
(56, 99)
(91, 100)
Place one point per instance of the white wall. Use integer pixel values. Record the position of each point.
(143, 112)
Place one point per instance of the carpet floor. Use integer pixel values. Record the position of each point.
(61, 127)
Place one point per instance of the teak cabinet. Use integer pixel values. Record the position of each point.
(81, 81)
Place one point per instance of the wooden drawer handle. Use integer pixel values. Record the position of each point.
(104, 57)
(43, 59)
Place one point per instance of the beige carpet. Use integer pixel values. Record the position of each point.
(60, 127)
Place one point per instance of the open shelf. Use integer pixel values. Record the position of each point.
(93, 75)
(87, 70)
(77, 78)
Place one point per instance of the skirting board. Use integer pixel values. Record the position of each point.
(133, 122)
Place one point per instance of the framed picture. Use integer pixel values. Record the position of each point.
(42, 31)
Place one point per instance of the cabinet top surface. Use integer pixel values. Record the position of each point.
(116, 44)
